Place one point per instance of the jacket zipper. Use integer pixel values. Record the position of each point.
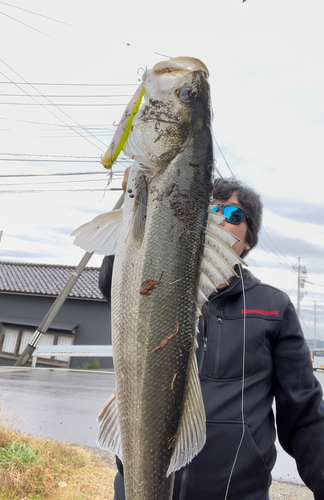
(218, 346)
(204, 349)
(204, 333)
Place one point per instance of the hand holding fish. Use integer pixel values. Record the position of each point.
(125, 179)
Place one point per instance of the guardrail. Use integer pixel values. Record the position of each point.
(97, 351)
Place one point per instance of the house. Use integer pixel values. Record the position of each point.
(27, 291)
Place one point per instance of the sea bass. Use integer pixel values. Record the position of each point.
(170, 254)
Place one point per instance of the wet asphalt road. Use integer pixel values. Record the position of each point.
(63, 405)
(58, 404)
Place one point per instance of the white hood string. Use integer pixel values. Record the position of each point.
(243, 381)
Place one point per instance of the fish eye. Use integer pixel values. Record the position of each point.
(186, 94)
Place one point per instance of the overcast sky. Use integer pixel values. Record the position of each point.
(267, 83)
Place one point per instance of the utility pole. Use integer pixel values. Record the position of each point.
(56, 306)
(298, 287)
(314, 324)
(301, 280)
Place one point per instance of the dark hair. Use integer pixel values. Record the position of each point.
(250, 201)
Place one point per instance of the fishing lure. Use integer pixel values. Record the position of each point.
(125, 125)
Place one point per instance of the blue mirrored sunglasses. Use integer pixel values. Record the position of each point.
(233, 215)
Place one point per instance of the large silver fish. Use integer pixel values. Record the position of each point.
(170, 254)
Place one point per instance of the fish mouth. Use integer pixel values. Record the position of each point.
(180, 64)
(165, 74)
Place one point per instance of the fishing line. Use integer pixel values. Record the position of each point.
(221, 152)
(243, 384)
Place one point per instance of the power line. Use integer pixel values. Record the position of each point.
(52, 156)
(49, 160)
(306, 326)
(274, 244)
(72, 84)
(54, 190)
(311, 283)
(272, 253)
(60, 174)
(45, 160)
(90, 96)
(53, 182)
(36, 14)
(51, 111)
(28, 26)
(292, 289)
(100, 127)
(62, 104)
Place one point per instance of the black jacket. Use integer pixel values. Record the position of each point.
(261, 328)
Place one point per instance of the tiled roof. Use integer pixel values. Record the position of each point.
(43, 279)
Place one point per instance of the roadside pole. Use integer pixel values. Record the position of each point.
(56, 306)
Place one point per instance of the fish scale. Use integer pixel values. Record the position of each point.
(155, 388)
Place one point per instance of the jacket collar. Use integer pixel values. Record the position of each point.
(235, 286)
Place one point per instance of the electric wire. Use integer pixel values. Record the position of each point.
(60, 174)
(316, 284)
(305, 326)
(71, 84)
(52, 182)
(56, 106)
(32, 160)
(62, 104)
(37, 14)
(292, 289)
(47, 155)
(88, 96)
(272, 254)
(274, 244)
(28, 26)
(100, 127)
(27, 191)
(49, 160)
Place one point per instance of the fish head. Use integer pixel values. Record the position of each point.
(176, 107)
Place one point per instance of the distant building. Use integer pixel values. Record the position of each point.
(27, 291)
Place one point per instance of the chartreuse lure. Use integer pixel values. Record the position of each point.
(123, 129)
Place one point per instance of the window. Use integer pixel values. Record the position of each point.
(13, 341)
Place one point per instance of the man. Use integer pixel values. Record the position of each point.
(251, 351)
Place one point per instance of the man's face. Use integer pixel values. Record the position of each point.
(240, 230)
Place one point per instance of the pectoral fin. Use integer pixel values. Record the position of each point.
(109, 433)
(191, 434)
(101, 234)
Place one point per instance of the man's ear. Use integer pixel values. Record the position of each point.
(246, 246)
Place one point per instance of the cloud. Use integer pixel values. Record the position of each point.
(48, 239)
(295, 210)
(24, 255)
(63, 229)
(287, 249)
